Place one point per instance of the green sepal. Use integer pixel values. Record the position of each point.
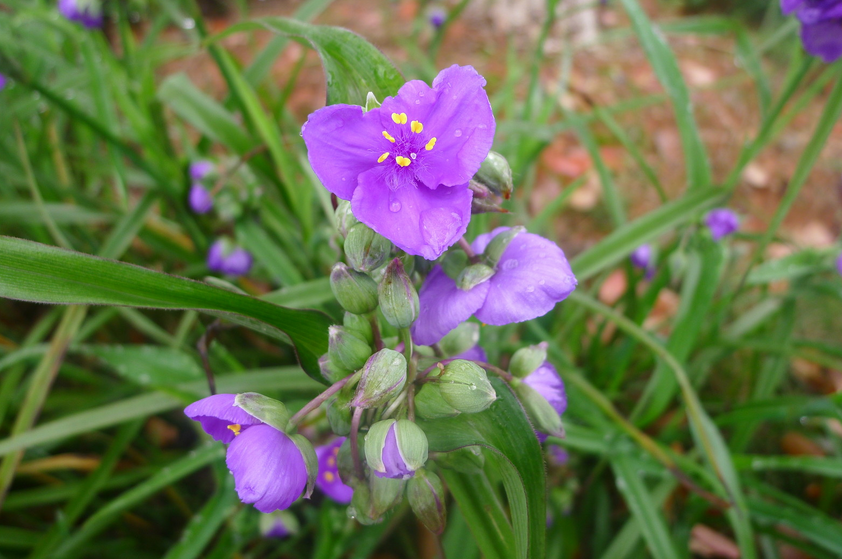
(266, 409)
(430, 404)
(311, 462)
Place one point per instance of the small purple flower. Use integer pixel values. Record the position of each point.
(225, 258)
(839, 264)
(821, 26)
(200, 199)
(268, 469)
(328, 479)
(641, 257)
(531, 277)
(2, 81)
(722, 222)
(405, 166)
(200, 169)
(559, 455)
(86, 12)
(437, 17)
(545, 381)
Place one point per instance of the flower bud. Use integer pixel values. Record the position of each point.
(542, 414)
(527, 359)
(361, 508)
(266, 409)
(359, 326)
(464, 385)
(339, 414)
(383, 377)
(474, 275)
(496, 174)
(355, 291)
(454, 262)
(311, 461)
(395, 449)
(365, 249)
(344, 217)
(430, 404)
(386, 493)
(426, 497)
(331, 370)
(346, 349)
(278, 525)
(460, 339)
(498, 244)
(398, 297)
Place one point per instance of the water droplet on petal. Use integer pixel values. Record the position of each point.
(510, 264)
(542, 282)
(418, 101)
(458, 133)
(439, 227)
(413, 155)
(530, 289)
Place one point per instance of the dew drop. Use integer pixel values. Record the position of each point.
(473, 386)
(188, 23)
(530, 289)
(395, 206)
(458, 133)
(542, 282)
(510, 264)
(418, 101)
(413, 155)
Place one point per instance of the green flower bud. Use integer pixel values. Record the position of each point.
(383, 377)
(339, 414)
(527, 359)
(496, 174)
(430, 404)
(498, 244)
(331, 370)
(426, 497)
(542, 414)
(311, 462)
(386, 493)
(359, 326)
(460, 339)
(344, 217)
(355, 291)
(361, 508)
(346, 349)
(397, 295)
(474, 275)
(365, 249)
(266, 409)
(464, 385)
(395, 449)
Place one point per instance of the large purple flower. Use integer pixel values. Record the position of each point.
(328, 479)
(268, 469)
(86, 12)
(821, 26)
(545, 381)
(531, 277)
(722, 222)
(405, 166)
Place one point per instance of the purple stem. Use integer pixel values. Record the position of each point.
(318, 400)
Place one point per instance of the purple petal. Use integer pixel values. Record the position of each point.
(200, 199)
(444, 306)
(417, 220)
(476, 353)
(532, 276)
(839, 264)
(393, 461)
(328, 480)
(89, 15)
(789, 6)
(823, 39)
(546, 382)
(642, 256)
(216, 413)
(201, 169)
(481, 242)
(721, 222)
(238, 263)
(268, 468)
(278, 530)
(2, 81)
(343, 142)
(216, 254)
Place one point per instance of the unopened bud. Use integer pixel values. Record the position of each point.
(426, 497)
(365, 249)
(386, 493)
(346, 349)
(383, 377)
(460, 339)
(311, 461)
(496, 174)
(344, 217)
(430, 404)
(474, 275)
(527, 359)
(395, 449)
(464, 385)
(339, 414)
(542, 414)
(355, 291)
(266, 409)
(359, 325)
(398, 297)
(278, 524)
(361, 508)
(331, 370)
(494, 250)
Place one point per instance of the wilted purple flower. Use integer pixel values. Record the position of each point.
(200, 169)
(268, 469)
(437, 17)
(405, 166)
(821, 26)
(328, 479)
(200, 199)
(545, 381)
(86, 12)
(531, 277)
(722, 222)
(225, 258)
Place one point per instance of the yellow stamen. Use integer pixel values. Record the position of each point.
(331, 461)
(388, 136)
(399, 118)
(416, 127)
(383, 157)
(329, 477)
(235, 428)
(403, 161)
(431, 144)
(336, 451)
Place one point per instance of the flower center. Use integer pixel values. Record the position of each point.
(235, 428)
(409, 144)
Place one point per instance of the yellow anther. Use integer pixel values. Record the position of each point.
(416, 126)
(329, 477)
(336, 451)
(399, 118)
(431, 144)
(383, 157)
(403, 161)
(235, 428)
(388, 136)
(331, 461)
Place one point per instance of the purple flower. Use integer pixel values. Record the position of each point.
(641, 257)
(545, 381)
(722, 222)
(328, 479)
(200, 169)
(839, 264)
(268, 469)
(2, 81)
(200, 199)
(821, 26)
(225, 258)
(531, 277)
(278, 525)
(559, 455)
(405, 166)
(437, 17)
(86, 12)
(476, 353)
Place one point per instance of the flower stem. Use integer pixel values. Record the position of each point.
(318, 400)
(375, 331)
(355, 447)
(496, 370)
(466, 246)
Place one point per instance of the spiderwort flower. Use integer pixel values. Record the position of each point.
(268, 468)
(545, 381)
(641, 258)
(821, 26)
(722, 222)
(225, 258)
(200, 199)
(328, 480)
(405, 165)
(437, 17)
(201, 169)
(86, 12)
(531, 276)
(395, 449)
